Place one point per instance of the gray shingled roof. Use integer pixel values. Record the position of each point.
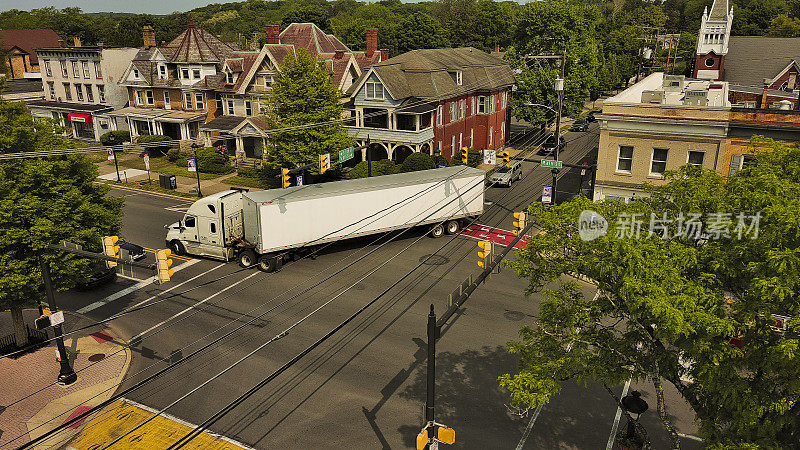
(750, 59)
(196, 45)
(719, 9)
(425, 73)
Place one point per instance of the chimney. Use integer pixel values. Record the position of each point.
(384, 54)
(497, 48)
(76, 41)
(148, 37)
(339, 54)
(372, 41)
(273, 34)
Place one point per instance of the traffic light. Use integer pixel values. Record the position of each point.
(446, 435)
(519, 223)
(324, 163)
(464, 155)
(484, 255)
(286, 178)
(42, 321)
(506, 156)
(164, 262)
(110, 248)
(422, 439)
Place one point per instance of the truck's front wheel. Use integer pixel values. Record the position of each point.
(177, 248)
(247, 258)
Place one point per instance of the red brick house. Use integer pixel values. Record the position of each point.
(434, 101)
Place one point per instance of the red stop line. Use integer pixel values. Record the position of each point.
(495, 235)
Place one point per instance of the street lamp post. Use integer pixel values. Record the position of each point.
(197, 167)
(634, 404)
(113, 140)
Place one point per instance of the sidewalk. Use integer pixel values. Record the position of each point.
(134, 178)
(100, 361)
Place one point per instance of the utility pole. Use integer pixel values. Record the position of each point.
(433, 332)
(66, 375)
(197, 167)
(369, 159)
(559, 87)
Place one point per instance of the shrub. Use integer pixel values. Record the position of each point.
(474, 157)
(440, 160)
(210, 161)
(156, 150)
(381, 167)
(174, 154)
(417, 161)
(118, 137)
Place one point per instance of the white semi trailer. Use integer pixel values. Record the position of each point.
(264, 227)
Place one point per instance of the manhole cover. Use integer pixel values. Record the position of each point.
(514, 315)
(434, 260)
(97, 357)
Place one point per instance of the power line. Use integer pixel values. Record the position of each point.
(150, 378)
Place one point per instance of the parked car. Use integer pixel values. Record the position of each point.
(97, 275)
(549, 146)
(506, 175)
(579, 125)
(591, 118)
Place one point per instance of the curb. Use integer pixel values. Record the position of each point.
(145, 191)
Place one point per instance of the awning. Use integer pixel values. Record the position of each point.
(76, 117)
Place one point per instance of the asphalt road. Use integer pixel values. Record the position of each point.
(364, 387)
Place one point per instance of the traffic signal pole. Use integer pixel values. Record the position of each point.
(433, 335)
(559, 87)
(66, 375)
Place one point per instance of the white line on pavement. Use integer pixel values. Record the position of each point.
(614, 427)
(178, 285)
(130, 289)
(192, 307)
(530, 426)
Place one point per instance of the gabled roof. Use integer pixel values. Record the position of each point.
(747, 65)
(719, 10)
(312, 38)
(29, 40)
(427, 73)
(196, 45)
(364, 61)
(241, 63)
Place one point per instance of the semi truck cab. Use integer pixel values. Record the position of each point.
(209, 227)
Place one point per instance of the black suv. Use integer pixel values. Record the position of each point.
(549, 146)
(579, 125)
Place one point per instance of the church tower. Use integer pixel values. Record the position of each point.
(712, 41)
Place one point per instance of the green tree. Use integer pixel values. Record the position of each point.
(43, 201)
(380, 167)
(784, 26)
(303, 94)
(667, 309)
(416, 31)
(417, 161)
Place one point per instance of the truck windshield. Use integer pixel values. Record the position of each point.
(188, 222)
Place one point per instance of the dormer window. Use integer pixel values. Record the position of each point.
(136, 73)
(185, 74)
(196, 74)
(374, 91)
(457, 77)
(162, 72)
(229, 77)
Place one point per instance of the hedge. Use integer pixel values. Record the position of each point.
(118, 137)
(209, 161)
(159, 149)
(417, 161)
(381, 167)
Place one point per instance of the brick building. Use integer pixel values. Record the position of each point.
(434, 101)
(20, 48)
(762, 71)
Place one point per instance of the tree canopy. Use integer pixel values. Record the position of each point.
(693, 312)
(303, 94)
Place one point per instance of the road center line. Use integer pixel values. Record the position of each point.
(615, 426)
(138, 336)
(129, 289)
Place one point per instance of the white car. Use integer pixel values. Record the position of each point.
(506, 175)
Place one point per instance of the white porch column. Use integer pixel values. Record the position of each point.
(184, 131)
(240, 147)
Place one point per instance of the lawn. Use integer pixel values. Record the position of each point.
(237, 180)
(153, 187)
(162, 165)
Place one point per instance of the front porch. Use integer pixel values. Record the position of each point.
(243, 137)
(178, 125)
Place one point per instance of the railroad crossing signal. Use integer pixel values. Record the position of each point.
(286, 179)
(110, 248)
(484, 255)
(324, 163)
(163, 265)
(506, 156)
(464, 155)
(519, 223)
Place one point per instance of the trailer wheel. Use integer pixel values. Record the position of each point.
(268, 263)
(247, 258)
(452, 226)
(177, 248)
(437, 231)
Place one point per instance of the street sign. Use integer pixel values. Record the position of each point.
(552, 163)
(346, 154)
(57, 318)
(190, 165)
(300, 179)
(489, 157)
(146, 161)
(110, 156)
(547, 193)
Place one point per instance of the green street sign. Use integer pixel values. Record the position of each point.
(552, 163)
(346, 154)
